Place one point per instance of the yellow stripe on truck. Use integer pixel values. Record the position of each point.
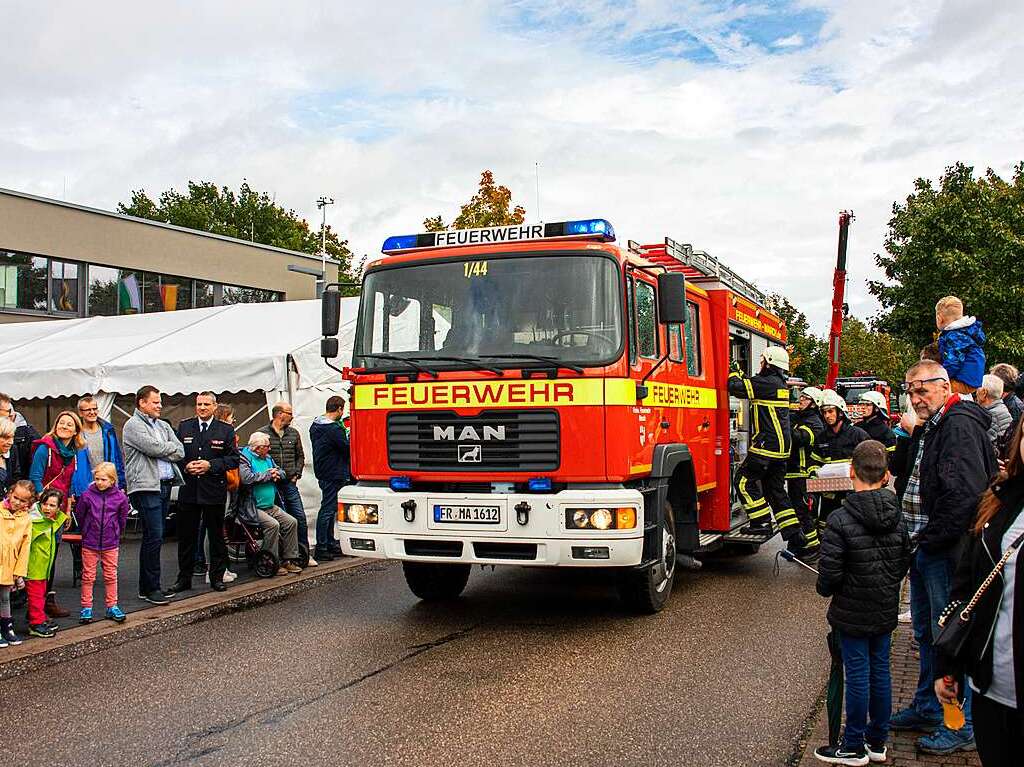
(562, 392)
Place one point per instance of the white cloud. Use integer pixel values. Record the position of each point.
(394, 109)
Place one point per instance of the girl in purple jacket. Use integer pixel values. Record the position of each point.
(102, 511)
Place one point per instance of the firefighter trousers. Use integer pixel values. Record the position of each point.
(761, 485)
(805, 507)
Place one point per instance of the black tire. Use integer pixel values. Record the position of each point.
(435, 582)
(265, 564)
(647, 590)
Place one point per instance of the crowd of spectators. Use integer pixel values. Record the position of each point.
(82, 479)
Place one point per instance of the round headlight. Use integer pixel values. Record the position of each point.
(601, 519)
(580, 518)
(356, 513)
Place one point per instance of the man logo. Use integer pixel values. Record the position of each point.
(470, 453)
(490, 433)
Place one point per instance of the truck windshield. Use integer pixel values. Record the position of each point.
(566, 308)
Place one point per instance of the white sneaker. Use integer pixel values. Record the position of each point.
(229, 576)
(207, 578)
(313, 563)
(904, 617)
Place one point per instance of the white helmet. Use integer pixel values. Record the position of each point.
(814, 394)
(831, 399)
(875, 398)
(777, 356)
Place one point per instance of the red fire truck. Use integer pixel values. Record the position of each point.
(536, 395)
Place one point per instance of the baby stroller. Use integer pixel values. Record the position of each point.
(247, 541)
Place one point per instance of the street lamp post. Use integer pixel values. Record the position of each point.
(321, 205)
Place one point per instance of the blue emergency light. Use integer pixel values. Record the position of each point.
(400, 483)
(588, 228)
(539, 484)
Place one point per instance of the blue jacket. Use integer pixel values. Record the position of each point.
(330, 450)
(111, 452)
(962, 354)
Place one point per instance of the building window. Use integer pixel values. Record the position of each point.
(114, 291)
(23, 281)
(165, 293)
(235, 294)
(204, 294)
(64, 287)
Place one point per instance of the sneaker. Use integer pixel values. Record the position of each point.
(312, 563)
(230, 576)
(325, 555)
(41, 630)
(3, 643)
(840, 755)
(282, 571)
(877, 753)
(946, 741)
(199, 568)
(156, 597)
(116, 614)
(85, 616)
(909, 719)
(291, 567)
(904, 617)
(8, 634)
(53, 625)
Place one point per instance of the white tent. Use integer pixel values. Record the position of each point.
(272, 348)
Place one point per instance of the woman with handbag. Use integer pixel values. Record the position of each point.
(982, 631)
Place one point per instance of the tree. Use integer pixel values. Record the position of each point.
(964, 238)
(490, 206)
(247, 215)
(862, 349)
(808, 354)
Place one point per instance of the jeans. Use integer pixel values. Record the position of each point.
(868, 689)
(151, 507)
(327, 515)
(931, 576)
(291, 502)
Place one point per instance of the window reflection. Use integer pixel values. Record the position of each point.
(63, 286)
(22, 281)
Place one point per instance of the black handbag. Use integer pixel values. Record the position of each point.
(957, 620)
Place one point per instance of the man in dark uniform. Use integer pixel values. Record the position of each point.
(807, 428)
(876, 423)
(836, 446)
(761, 480)
(209, 452)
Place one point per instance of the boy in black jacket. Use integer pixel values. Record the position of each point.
(865, 554)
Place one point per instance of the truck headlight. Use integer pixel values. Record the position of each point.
(360, 513)
(606, 518)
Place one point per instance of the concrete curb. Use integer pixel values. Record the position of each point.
(34, 654)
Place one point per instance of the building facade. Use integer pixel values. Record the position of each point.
(63, 260)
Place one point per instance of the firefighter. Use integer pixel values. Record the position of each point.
(761, 479)
(838, 442)
(807, 429)
(876, 423)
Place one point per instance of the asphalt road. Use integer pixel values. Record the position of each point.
(531, 667)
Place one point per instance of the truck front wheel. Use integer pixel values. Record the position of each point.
(647, 590)
(433, 583)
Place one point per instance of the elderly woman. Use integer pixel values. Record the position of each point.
(10, 471)
(256, 502)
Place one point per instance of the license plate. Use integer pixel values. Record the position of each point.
(472, 515)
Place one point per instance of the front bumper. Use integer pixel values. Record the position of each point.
(541, 539)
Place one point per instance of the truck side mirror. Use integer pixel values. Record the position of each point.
(330, 318)
(672, 298)
(329, 348)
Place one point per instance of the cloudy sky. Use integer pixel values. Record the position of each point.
(742, 127)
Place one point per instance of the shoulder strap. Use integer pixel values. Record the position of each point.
(993, 575)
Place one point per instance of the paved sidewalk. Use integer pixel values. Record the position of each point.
(902, 752)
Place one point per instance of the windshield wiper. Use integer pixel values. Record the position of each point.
(406, 360)
(466, 360)
(539, 357)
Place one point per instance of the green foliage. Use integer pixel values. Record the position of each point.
(963, 238)
(247, 215)
(490, 206)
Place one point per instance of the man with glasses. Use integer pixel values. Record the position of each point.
(949, 466)
(101, 445)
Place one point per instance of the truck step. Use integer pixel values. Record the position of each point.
(706, 539)
(740, 537)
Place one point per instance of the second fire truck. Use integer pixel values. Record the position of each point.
(537, 395)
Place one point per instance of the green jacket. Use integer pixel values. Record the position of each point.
(43, 543)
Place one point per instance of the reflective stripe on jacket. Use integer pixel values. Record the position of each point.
(807, 431)
(769, 399)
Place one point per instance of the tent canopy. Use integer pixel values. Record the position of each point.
(241, 347)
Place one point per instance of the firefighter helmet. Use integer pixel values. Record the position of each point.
(831, 399)
(875, 398)
(814, 394)
(777, 356)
